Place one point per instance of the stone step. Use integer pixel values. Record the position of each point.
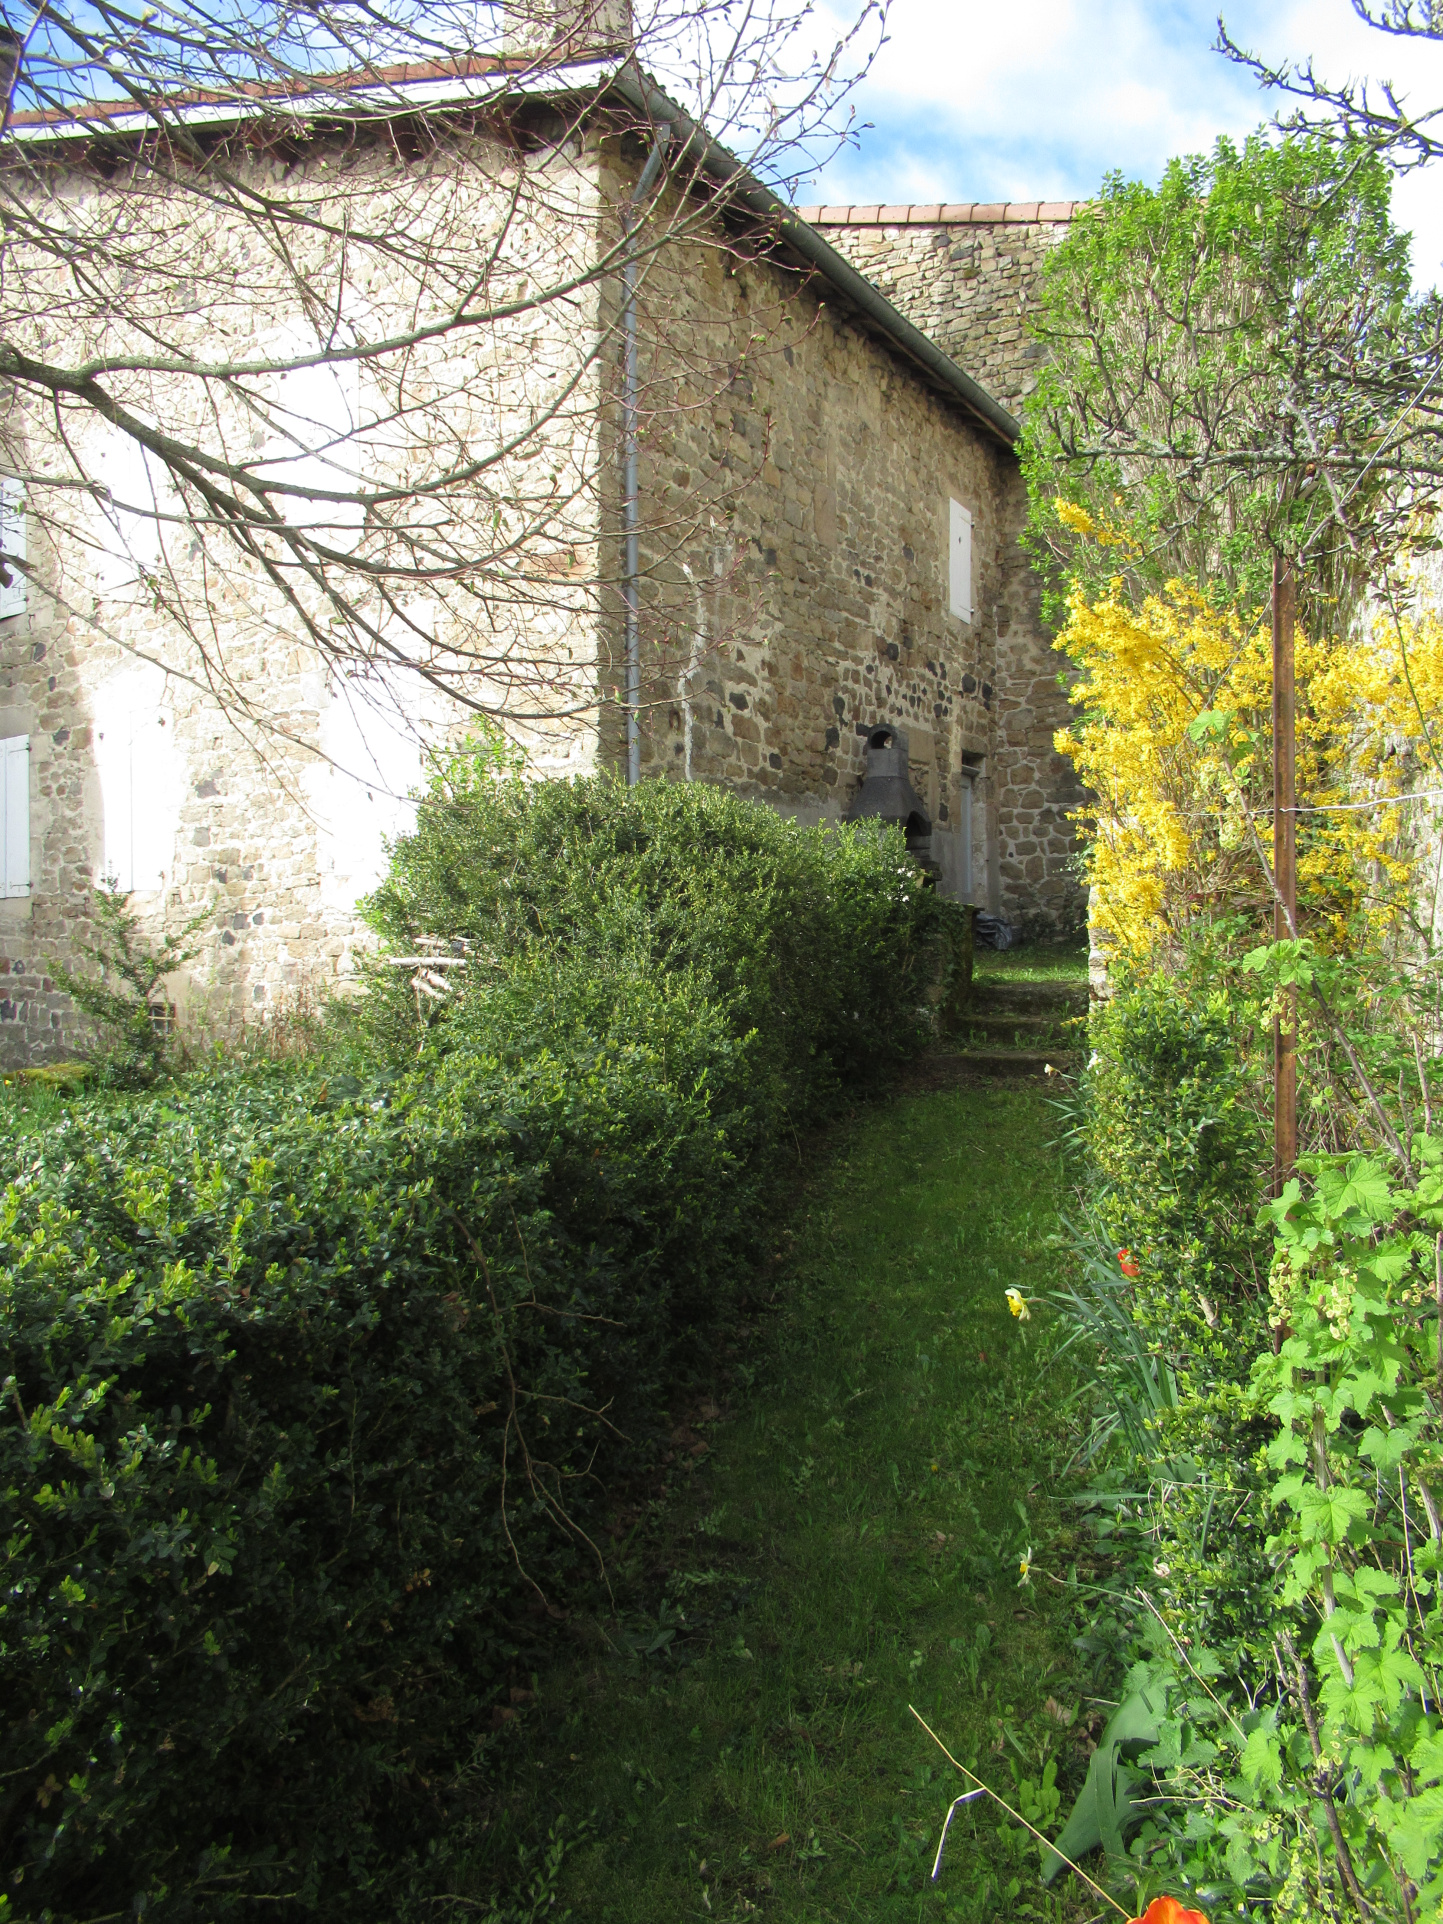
(1031, 1064)
(1019, 1026)
(1028, 998)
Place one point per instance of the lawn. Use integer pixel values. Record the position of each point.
(1033, 962)
(867, 1509)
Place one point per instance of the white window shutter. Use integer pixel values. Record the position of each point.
(959, 559)
(12, 542)
(15, 807)
(140, 779)
(115, 756)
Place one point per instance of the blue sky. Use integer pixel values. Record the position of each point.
(1038, 99)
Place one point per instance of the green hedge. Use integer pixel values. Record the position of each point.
(819, 943)
(1176, 1148)
(316, 1378)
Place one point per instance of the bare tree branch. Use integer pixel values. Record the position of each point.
(309, 324)
(1374, 113)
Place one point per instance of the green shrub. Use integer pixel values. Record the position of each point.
(1296, 1753)
(121, 998)
(1177, 1158)
(821, 944)
(315, 1382)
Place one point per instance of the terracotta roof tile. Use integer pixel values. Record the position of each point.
(960, 213)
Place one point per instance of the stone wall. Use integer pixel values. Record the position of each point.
(964, 274)
(265, 812)
(832, 612)
(796, 479)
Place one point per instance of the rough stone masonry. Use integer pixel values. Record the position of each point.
(811, 606)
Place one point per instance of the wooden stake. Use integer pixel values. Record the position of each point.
(1285, 871)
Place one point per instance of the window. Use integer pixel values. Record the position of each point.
(15, 809)
(959, 559)
(12, 542)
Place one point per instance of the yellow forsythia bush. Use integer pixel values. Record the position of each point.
(1174, 742)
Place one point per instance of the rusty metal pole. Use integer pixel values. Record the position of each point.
(1285, 873)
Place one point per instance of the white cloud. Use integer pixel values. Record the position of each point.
(1040, 98)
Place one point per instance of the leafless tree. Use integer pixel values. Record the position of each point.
(313, 322)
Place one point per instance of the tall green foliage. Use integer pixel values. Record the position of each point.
(120, 997)
(1222, 356)
(1293, 1764)
(316, 1382)
(819, 945)
(1176, 1153)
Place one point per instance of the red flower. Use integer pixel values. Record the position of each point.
(1167, 1910)
(1129, 1268)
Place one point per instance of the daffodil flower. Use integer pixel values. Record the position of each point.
(1017, 1303)
(1024, 1566)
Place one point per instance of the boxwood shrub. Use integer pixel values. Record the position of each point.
(1175, 1144)
(317, 1378)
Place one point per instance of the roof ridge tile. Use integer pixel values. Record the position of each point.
(965, 213)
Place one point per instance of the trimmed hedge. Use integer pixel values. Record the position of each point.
(315, 1378)
(1176, 1147)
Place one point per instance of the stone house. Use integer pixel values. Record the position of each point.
(861, 569)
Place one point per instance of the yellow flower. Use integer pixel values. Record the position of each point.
(1173, 741)
(1017, 1303)
(1024, 1568)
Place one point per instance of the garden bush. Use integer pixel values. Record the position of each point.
(821, 944)
(318, 1377)
(1293, 1767)
(1274, 1530)
(1176, 1156)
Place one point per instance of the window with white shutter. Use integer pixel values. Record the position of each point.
(15, 813)
(959, 559)
(12, 545)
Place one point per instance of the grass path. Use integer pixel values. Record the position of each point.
(850, 1541)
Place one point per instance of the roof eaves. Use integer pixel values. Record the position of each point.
(391, 91)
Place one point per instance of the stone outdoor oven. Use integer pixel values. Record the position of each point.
(887, 794)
